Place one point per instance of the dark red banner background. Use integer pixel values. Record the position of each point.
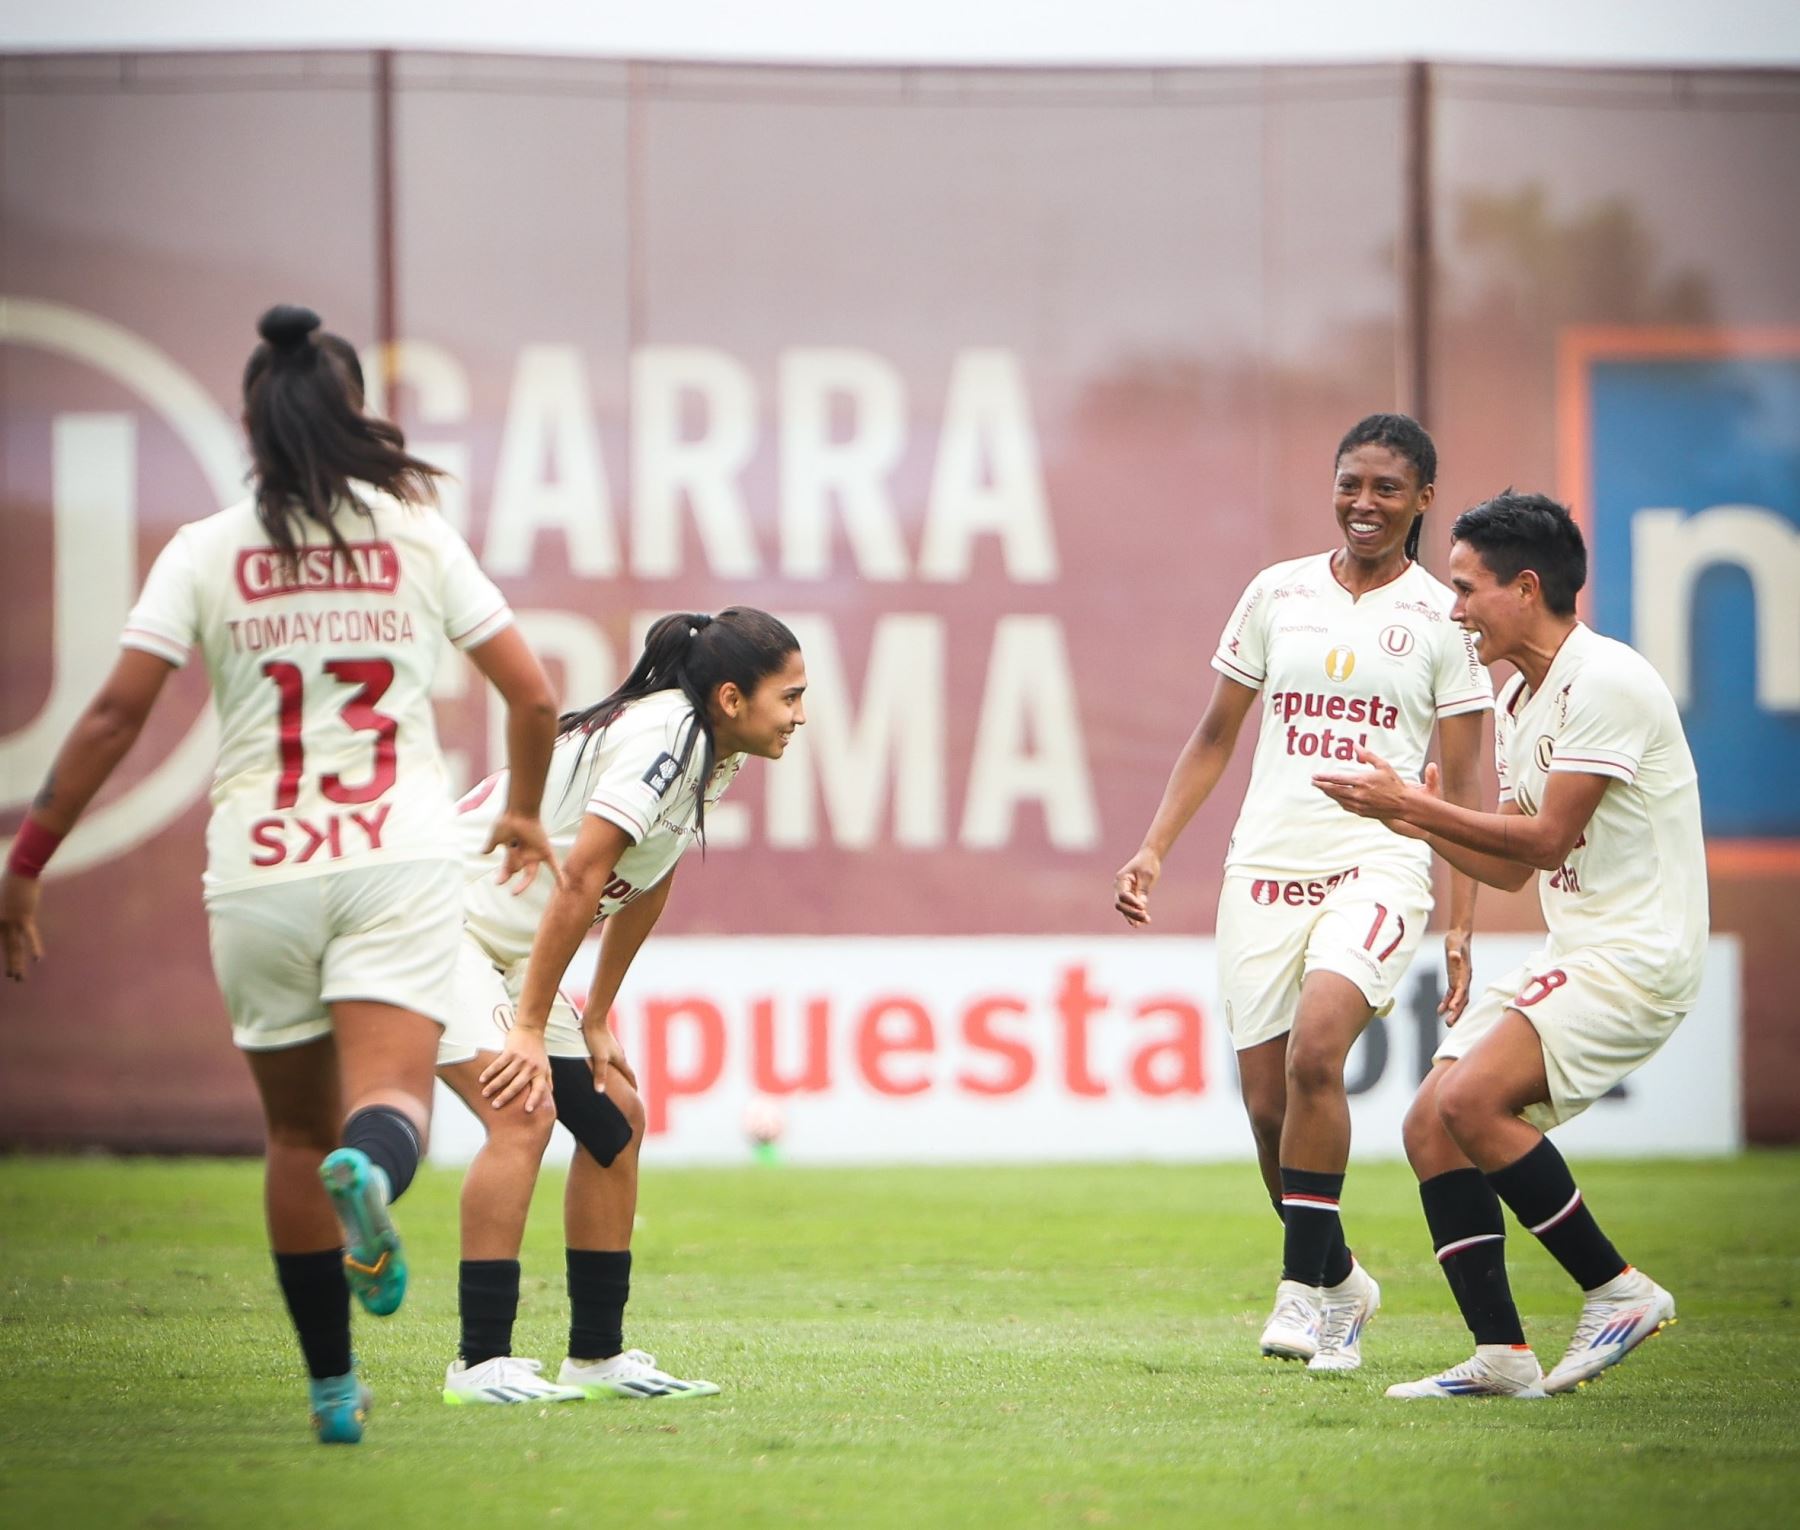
(1056, 360)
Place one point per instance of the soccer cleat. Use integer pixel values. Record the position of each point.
(340, 1407)
(1292, 1332)
(632, 1375)
(373, 1262)
(1344, 1311)
(504, 1379)
(1494, 1370)
(1615, 1319)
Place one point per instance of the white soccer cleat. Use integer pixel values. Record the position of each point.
(1292, 1332)
(1344, 1311)
(1494, 1370)
(504, 1379)
(1615, 1319)
(631, 1375)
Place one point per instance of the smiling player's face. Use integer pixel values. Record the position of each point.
(1490, 612)
(1375, 497)
(762, 722)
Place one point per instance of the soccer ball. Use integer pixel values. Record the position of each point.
(763, 1121)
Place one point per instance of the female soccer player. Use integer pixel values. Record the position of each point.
(1319, 918)
(335, 907)
(629, 786)
(1599, 799)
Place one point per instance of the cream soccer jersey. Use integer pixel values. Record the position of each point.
(321, 674)
(1335, 671)
(1634, 886)
(631, 774)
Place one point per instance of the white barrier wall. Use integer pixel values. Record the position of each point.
(1042, 1048)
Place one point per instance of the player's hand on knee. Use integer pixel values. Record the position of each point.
(1132, 883)
(603, 1046)
(523, 1067)
(18, 924)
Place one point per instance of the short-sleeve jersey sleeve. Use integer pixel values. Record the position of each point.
(1608, 728)
(1243, 647)
(166, 619)
(1503, 731)
(1461, 680)
(641, 766)
(474, 608)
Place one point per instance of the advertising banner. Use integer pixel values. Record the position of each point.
(996, 1050)
(1696, 553)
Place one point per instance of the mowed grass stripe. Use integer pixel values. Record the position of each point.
(995, 1347)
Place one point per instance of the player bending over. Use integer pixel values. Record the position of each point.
(629, 783)
(1598, 796)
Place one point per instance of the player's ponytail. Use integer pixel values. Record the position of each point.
(309, 437)
(1412, 536)
(695, 654)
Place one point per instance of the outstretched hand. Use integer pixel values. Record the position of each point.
(1377, 792)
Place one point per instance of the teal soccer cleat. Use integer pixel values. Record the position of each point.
(340, 1405)
(374, 1264)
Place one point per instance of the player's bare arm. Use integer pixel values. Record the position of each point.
(523, 1064)
(1530, 842)
(1197, 770)
(621, 937)
(508, 663)
(1459, 742)
(101, 738)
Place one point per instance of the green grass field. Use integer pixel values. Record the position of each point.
(1032, 1347)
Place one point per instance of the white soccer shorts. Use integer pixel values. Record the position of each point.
(1595, 1025)
(284, 953)
(1275, 932)
(481, 1012)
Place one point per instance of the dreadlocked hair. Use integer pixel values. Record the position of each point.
(695, 654)
(309, 437)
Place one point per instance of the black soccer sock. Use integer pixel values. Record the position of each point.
(599, 1287)
(487, 1291)
(1338, 1262)
(390, 1142)
(1309, 1203)
(318, 1300)
(1541, 1192)
(1468, 1231)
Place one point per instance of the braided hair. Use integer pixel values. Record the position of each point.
(1405, 437)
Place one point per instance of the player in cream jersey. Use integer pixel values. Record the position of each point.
(1338, 671)
(628, 791)
(626, 773)
(1598, 798)
(1319, 916)
(321, 672)
(321, 606)
(1633, 888)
